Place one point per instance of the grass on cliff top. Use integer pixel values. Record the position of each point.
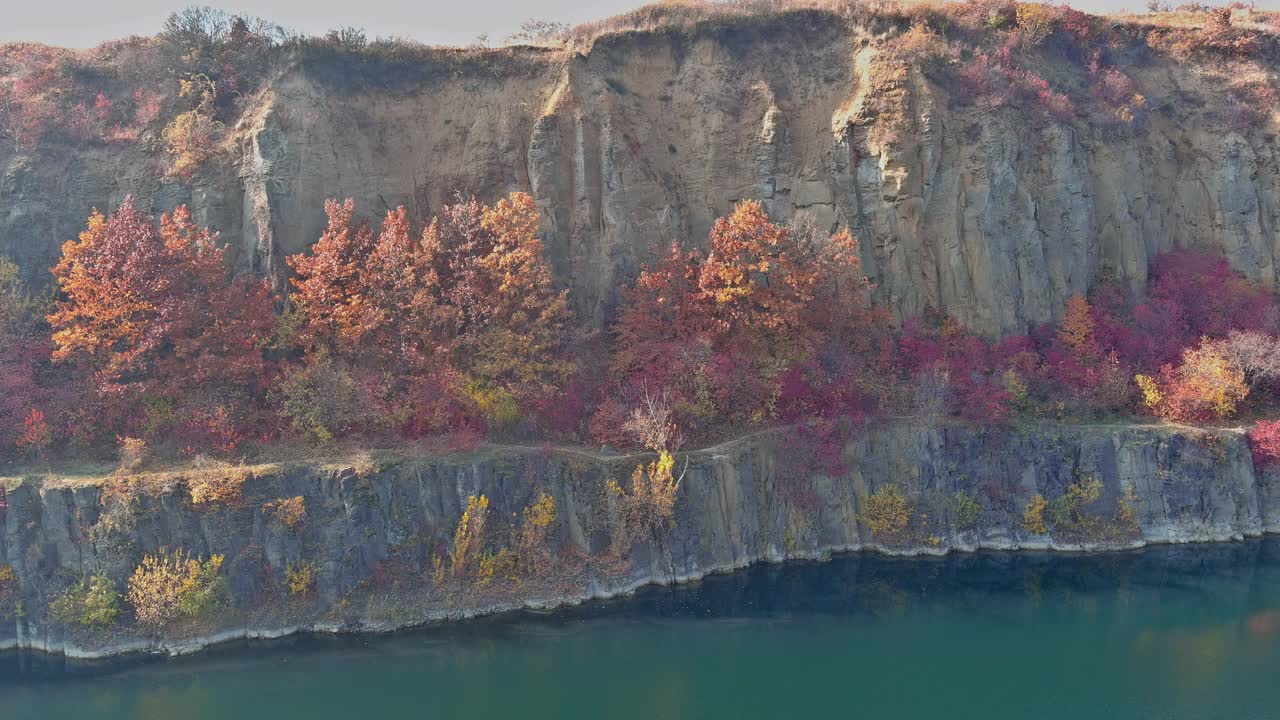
(671, 15)
(691, 14)
(160, 472)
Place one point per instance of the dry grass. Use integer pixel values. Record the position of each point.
(1246, 19)
(685, 15)
(691, 14)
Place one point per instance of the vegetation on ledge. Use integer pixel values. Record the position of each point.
(457, 334)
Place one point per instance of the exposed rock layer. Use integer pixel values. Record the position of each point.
(994, 216)
(739, 503)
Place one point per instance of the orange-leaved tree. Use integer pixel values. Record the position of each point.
(469, 314)
(1076, 330)
(719, 334)
(328, 288)
(152, 310)
(509, 321)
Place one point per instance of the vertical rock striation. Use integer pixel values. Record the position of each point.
(739, 503)
(994, 216)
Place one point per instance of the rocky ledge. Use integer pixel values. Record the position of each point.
(371, 530)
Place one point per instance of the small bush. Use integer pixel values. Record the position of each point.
(1264, 440)
(291, 512)
(1125, 516)
(467, 538)
(651, 426)
(215, 482)
(492, 565)
(320, 398)
(35, 436)
(1033, 515)
(191, 137)
(533, 553)
(1067, 512)
(966, 511)
(8, 590)
(301, 578)
(498, 406)
(172, 584)
(887, 513)
(363, 464)
(539, 32)
(132, 453)
(648, 508)
(924, 47)
(1002, 17)
(1207, 386)
(1035, 21)
(93, 603)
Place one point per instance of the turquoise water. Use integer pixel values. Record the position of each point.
(1190, 632)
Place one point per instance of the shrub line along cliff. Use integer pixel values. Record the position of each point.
(996, 162)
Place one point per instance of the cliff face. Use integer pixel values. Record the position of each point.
(371, 535)
(648, 136)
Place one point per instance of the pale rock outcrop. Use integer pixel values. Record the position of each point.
(994, 216)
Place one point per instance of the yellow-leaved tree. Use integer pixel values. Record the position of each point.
(647, 508)
(1207, 386)
(173, 584)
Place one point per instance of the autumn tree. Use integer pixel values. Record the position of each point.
(19, 310)
(660, 348)
(1206, 386)
(191, 138)
(646, 509)
(468, 537)
(36, 435)
(152, 310)
(328, 283)
(1076, 329)
(466, 315)
(508, 321)
(533, 552)
(753, 281)
(1257, 354)
(719, 334)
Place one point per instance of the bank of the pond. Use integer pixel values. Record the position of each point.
(370, 532)
(1171, 632)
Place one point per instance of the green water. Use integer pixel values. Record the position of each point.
(1189, 632)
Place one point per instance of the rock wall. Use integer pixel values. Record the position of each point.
(371, 535)
(990, 215)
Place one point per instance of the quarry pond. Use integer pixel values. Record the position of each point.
(1166, 632)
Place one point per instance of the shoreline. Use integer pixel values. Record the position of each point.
(138, 647)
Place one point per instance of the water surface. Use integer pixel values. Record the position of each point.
(1189, 632)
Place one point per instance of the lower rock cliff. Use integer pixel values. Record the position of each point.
(371, 530)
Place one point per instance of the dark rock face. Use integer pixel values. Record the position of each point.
(739, 503)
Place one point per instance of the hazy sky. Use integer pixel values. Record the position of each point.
(82, 23)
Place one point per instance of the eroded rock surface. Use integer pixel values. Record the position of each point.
(991, 215)
(739, 503)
